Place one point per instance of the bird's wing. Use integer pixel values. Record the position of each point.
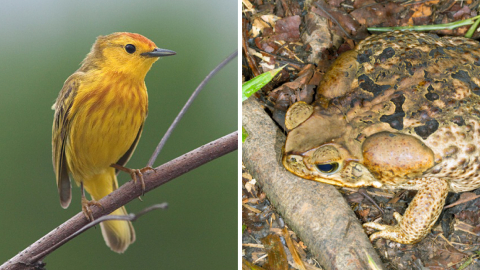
(124, 159)
(60, 131)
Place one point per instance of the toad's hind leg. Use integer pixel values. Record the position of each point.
(419, 217)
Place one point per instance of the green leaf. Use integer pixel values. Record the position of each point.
(244, 134)
(250, 87)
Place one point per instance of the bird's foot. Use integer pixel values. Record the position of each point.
(86, 204)
(136, 174)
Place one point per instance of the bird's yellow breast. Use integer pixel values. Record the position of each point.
(106, 116)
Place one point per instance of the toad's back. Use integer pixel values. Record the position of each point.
(418, 84)
(401, 110)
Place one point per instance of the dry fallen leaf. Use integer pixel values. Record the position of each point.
(250, 185)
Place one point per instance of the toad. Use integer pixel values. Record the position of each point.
(400, 111)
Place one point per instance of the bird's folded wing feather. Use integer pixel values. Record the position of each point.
(60, 131)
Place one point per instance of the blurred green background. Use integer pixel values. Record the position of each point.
(42, 43)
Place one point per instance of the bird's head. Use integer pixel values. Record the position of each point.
(124, 53)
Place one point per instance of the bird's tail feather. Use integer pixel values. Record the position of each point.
(118, 234)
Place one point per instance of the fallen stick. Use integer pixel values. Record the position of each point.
(316, 212)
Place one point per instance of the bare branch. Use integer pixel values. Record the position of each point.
(186, 106)
(27, 259)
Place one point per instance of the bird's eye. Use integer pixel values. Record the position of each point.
(328, 167)
(130, 48)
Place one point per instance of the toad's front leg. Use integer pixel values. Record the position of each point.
(419, 217)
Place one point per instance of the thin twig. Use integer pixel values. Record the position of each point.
(187, 105)
(129, 217)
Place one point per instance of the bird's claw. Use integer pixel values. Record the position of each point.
(86, 204)
(136, 174)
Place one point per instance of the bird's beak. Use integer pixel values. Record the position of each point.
(157, 52)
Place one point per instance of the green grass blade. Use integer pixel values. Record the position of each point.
(250, 87)
(449, 26)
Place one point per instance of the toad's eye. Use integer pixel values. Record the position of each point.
(130, 48)
(328, 167)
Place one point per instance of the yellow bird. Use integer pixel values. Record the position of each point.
(99, 116)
